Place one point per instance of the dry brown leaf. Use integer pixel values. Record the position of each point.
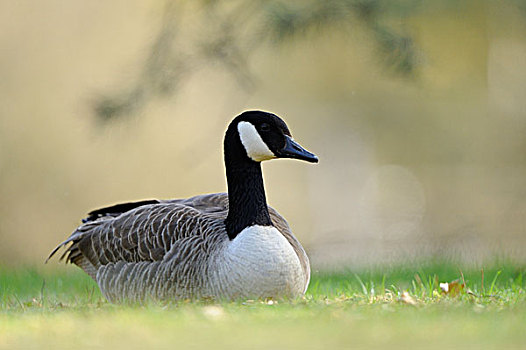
(453, 288)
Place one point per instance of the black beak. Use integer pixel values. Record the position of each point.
(293, 149)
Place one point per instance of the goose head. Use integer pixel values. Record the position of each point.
(256, 136)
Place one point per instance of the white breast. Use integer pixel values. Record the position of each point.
(259, 262)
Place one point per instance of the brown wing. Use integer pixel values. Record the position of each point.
(145, 233)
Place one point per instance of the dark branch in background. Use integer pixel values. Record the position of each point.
(231, 31)
(164, 69)
(396, 51)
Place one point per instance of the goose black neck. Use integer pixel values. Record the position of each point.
(246, 196)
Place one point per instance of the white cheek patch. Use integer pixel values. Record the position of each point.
(256, 148)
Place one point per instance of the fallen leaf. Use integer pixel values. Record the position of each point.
(453, 288)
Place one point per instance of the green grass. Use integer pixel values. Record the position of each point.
(397, 306)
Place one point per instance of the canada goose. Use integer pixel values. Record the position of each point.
(221, 246)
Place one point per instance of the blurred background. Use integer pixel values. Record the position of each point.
(416, 109)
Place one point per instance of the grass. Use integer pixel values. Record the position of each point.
(397, 306)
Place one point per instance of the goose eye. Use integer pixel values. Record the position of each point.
(265, 127)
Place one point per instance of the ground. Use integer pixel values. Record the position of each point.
(395, 306)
